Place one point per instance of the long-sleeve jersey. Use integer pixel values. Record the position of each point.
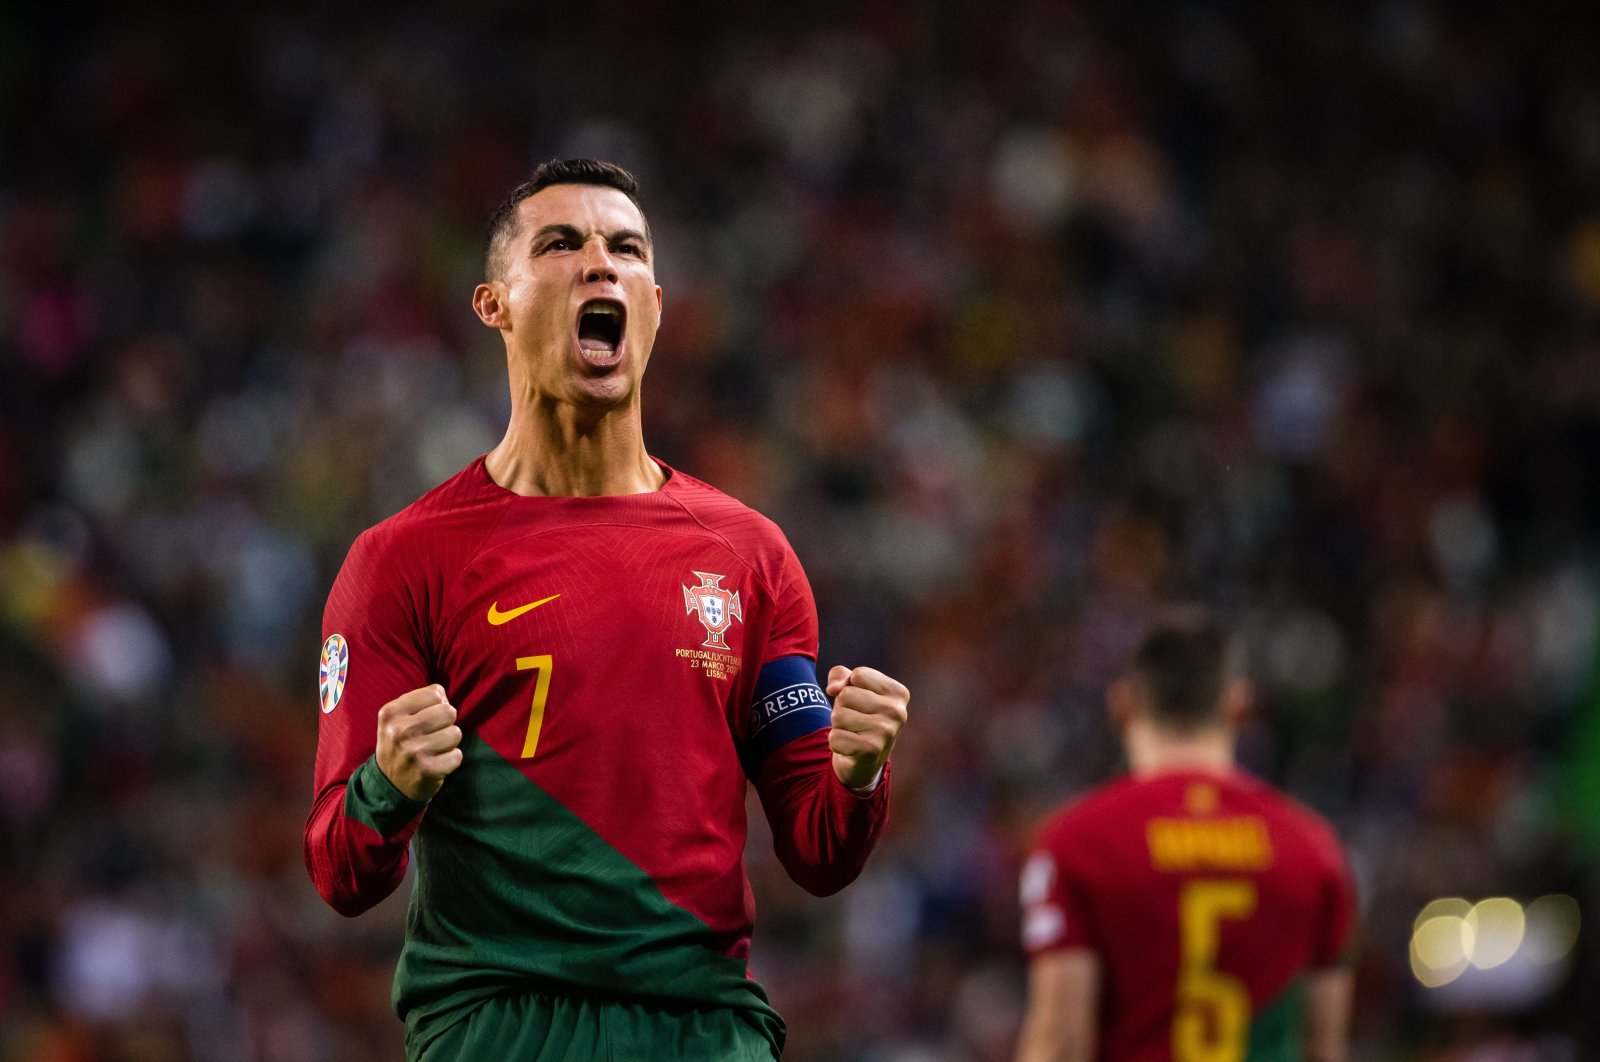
(1206, 896)
(621, 666)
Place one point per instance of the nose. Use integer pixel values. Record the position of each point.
(597, 264)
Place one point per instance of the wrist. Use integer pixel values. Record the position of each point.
(372, 797)
(409, 789)
(870, 787)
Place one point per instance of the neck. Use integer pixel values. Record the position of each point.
(1154, 750)
(559, 450)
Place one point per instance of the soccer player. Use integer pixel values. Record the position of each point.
(1188, 912)
(555, 674)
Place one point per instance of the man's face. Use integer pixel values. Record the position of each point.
(578, 300)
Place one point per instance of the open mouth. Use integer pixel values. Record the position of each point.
(600, 326)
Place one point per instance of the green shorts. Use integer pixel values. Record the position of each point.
(547, 1028)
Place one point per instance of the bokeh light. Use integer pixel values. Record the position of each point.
(1440, 949)
(1552, 932)
(1449, 905)
(1494, 928)
(1449, 935)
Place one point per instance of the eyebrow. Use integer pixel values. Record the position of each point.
(568, 232)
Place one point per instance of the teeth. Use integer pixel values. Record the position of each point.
(609, 308)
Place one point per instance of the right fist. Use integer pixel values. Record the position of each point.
(419, 743)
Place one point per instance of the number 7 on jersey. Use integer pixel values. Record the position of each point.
(541, 691)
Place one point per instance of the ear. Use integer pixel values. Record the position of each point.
(658, 300)
(1237, 700)
(489, 304)
(1122, 703)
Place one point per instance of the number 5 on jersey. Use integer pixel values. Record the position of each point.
(541, 691)
(1213, 1019)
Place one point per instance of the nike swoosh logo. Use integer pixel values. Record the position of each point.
(497, 617)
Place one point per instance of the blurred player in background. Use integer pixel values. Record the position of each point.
(1188, 912)
(558, 670)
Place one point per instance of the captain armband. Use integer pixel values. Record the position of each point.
(787, 704)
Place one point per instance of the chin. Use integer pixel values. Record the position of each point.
(604, 392)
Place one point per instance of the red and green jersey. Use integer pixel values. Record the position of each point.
(1206, 897)
(622, 666)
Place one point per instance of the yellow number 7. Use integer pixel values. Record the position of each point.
(541, 690)
(1204, 992)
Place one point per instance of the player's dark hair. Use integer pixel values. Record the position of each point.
(503, 222)
(1182, 667)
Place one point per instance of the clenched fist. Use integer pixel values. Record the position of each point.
(869, 708)
(419, 743)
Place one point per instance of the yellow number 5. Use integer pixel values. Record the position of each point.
(541, 690)
(1213, 1019)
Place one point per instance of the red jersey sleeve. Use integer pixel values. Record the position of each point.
(822, 831)
(787, 703)
(373, 651)
(1055, 914)
(794, 628)
(1336, 925)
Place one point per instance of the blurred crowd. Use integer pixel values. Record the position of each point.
(1018, 318)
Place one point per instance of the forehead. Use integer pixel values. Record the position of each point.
(586, 207)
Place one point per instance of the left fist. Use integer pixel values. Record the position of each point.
(869, 708)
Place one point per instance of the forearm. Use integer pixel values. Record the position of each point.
(1063, 997)
(1328, 1002)
(1040, 1043)
(356, 838)
(823, 832)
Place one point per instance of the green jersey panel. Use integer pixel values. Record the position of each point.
(516, 894)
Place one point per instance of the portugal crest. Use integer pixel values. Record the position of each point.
(718, 608)
(335, 666)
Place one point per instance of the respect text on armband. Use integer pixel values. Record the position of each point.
(779, 703)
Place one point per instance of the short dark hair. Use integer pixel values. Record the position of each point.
(1183, 666)
(503, 222)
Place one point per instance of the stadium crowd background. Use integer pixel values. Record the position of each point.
(1017, 318)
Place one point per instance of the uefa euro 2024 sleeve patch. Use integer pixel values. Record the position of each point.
(331, 675)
